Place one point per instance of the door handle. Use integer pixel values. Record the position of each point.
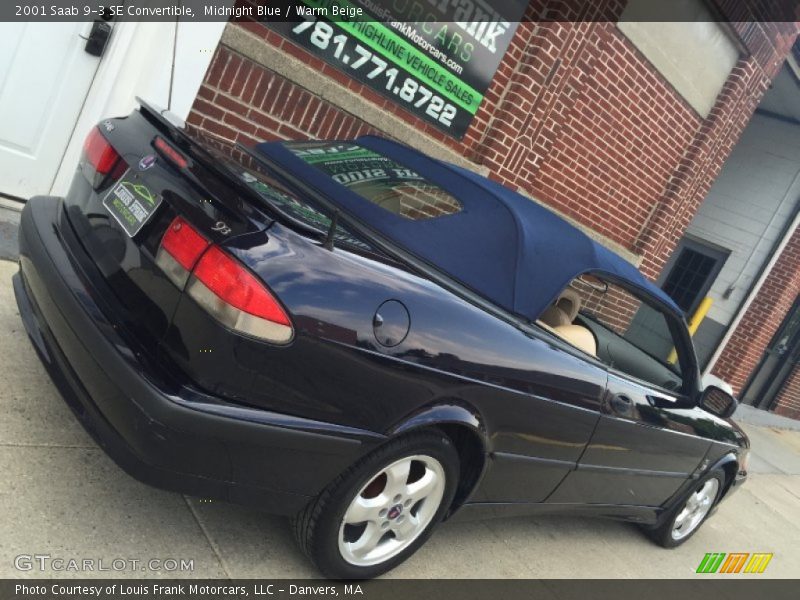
(621, 404)
(98, 38)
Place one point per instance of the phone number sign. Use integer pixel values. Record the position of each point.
(436, 60)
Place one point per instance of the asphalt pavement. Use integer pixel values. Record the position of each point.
(62, 497)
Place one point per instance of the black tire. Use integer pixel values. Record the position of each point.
(317, 527)
(663, 534)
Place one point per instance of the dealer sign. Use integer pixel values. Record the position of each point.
(435, 58)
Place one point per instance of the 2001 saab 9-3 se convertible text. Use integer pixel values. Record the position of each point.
(364, 338)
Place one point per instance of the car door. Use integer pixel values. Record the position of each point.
(639, 454)
(540, 433)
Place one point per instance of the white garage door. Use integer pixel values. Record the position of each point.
(45, 75)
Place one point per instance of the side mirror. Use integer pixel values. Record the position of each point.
(718, 402)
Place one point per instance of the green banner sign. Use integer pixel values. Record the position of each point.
(435, 59)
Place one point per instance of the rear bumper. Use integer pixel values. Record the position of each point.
(162, 433)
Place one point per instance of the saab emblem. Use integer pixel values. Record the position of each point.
(147, 162)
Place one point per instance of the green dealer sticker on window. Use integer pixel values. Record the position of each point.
(131, 203)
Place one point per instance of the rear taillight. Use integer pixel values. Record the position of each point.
(221, 285)
(99, 157)
(230, 293)
(180, 249)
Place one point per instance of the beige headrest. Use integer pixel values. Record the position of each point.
(564, 310)
(579, 336)
(570, 302)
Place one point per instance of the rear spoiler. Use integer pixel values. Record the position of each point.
(163, 115)
(174, 127)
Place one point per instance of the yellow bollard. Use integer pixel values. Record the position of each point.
(694, 323)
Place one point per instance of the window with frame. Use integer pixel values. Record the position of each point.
(618, 328)
(691, 272)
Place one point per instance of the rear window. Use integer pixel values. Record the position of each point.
(377, 178)
(272, 191)
(290, 204)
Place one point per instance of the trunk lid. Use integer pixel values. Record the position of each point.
(120, 218)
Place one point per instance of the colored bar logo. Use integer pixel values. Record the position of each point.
(735, 562)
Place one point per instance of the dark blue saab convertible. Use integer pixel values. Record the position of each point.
(365, 339)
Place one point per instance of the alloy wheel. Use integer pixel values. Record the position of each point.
(695, 509)
(392, 510)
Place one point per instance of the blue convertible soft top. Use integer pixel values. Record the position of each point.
(504, 246)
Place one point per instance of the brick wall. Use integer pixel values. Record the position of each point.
(788, 402)
(242, 101)
(614, 307)
(761, 321)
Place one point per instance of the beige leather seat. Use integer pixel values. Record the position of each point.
(579, 336)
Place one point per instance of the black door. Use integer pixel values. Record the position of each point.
(639, 454)
(779, 358)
